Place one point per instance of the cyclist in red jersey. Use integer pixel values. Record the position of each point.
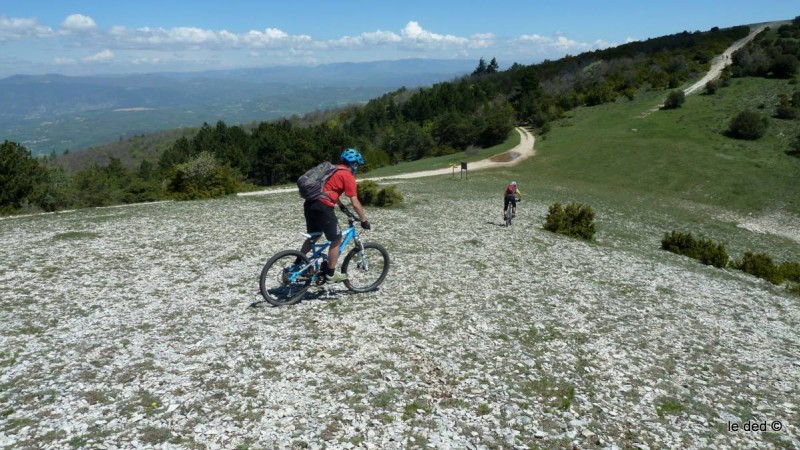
(511, 194)
(320, 216)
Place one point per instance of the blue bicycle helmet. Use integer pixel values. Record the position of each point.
(352, 158)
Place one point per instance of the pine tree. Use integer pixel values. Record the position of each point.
(492, 66)
(481, 69)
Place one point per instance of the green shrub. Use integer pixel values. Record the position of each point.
(760, 265)
(367, 192)
(711, 87)
(576, 220)
(784, 66)
(794, 147)
(388, 196)
(674, 100)
(201, 177)
(786, 112)
(790, 271)
(748, 125)
(702, 250)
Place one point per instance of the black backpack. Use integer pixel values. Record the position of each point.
(310, 184)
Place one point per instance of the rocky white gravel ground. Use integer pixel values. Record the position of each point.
(133, 328)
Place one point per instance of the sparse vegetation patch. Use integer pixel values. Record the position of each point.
(574, 220)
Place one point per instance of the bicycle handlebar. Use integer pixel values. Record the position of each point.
(351, 217)
(347, 212)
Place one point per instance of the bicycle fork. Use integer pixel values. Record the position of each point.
(361, 257)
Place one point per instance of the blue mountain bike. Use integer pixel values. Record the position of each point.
(284, 281)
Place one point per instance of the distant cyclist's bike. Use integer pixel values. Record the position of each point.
(284, 282)
(508, 215)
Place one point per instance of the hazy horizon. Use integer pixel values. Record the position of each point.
(96, 37)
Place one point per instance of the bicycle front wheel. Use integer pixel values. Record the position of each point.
(281, 282)
(366, 267)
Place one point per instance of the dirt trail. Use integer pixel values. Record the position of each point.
(519, 153)
(719, 63)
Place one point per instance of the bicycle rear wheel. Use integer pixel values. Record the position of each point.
(366, 269)
(276, 283)
(509, 216)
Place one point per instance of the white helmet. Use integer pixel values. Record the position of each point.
(513, 183)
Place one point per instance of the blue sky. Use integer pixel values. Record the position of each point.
(82, 37)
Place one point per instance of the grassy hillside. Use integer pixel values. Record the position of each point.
(630, 160)
(679, 154)
(630, 150)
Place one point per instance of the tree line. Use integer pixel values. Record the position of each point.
(476, 110)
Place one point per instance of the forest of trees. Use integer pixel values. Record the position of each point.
(477, 110)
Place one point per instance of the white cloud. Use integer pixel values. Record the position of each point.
(102, 56)
(63, 61)
(14, 29)
(77, 23)
(601, 44)
(271, 37)
(194, 38)
(377, 38)
(482, 40)
(415, 34)
(560, 43)
(414, 37)
(556, 46)
(198, 48)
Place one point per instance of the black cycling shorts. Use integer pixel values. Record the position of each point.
(321, 218)
(510, 198)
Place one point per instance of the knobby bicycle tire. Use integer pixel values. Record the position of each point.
(274, 286)
(367, 277)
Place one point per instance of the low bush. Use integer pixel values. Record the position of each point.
(367, 192)
(794, 147)
(712, 87)
(388, 196)
(201, 177)
(790, 271)
(760, 265)
(748, 125)
(786, 112)
(576, 220)
(702, 250)
(370, 194)
(674, 100)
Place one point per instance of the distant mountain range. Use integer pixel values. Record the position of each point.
(48, 113)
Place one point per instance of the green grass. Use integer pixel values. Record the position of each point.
(75, 235)
(441, 162)
(622, 153)
(669, 407)
(677, 154)
(558, 394)
(668, 170)
(415, 407)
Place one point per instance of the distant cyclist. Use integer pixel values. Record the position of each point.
(320, 216)
(512, 192)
